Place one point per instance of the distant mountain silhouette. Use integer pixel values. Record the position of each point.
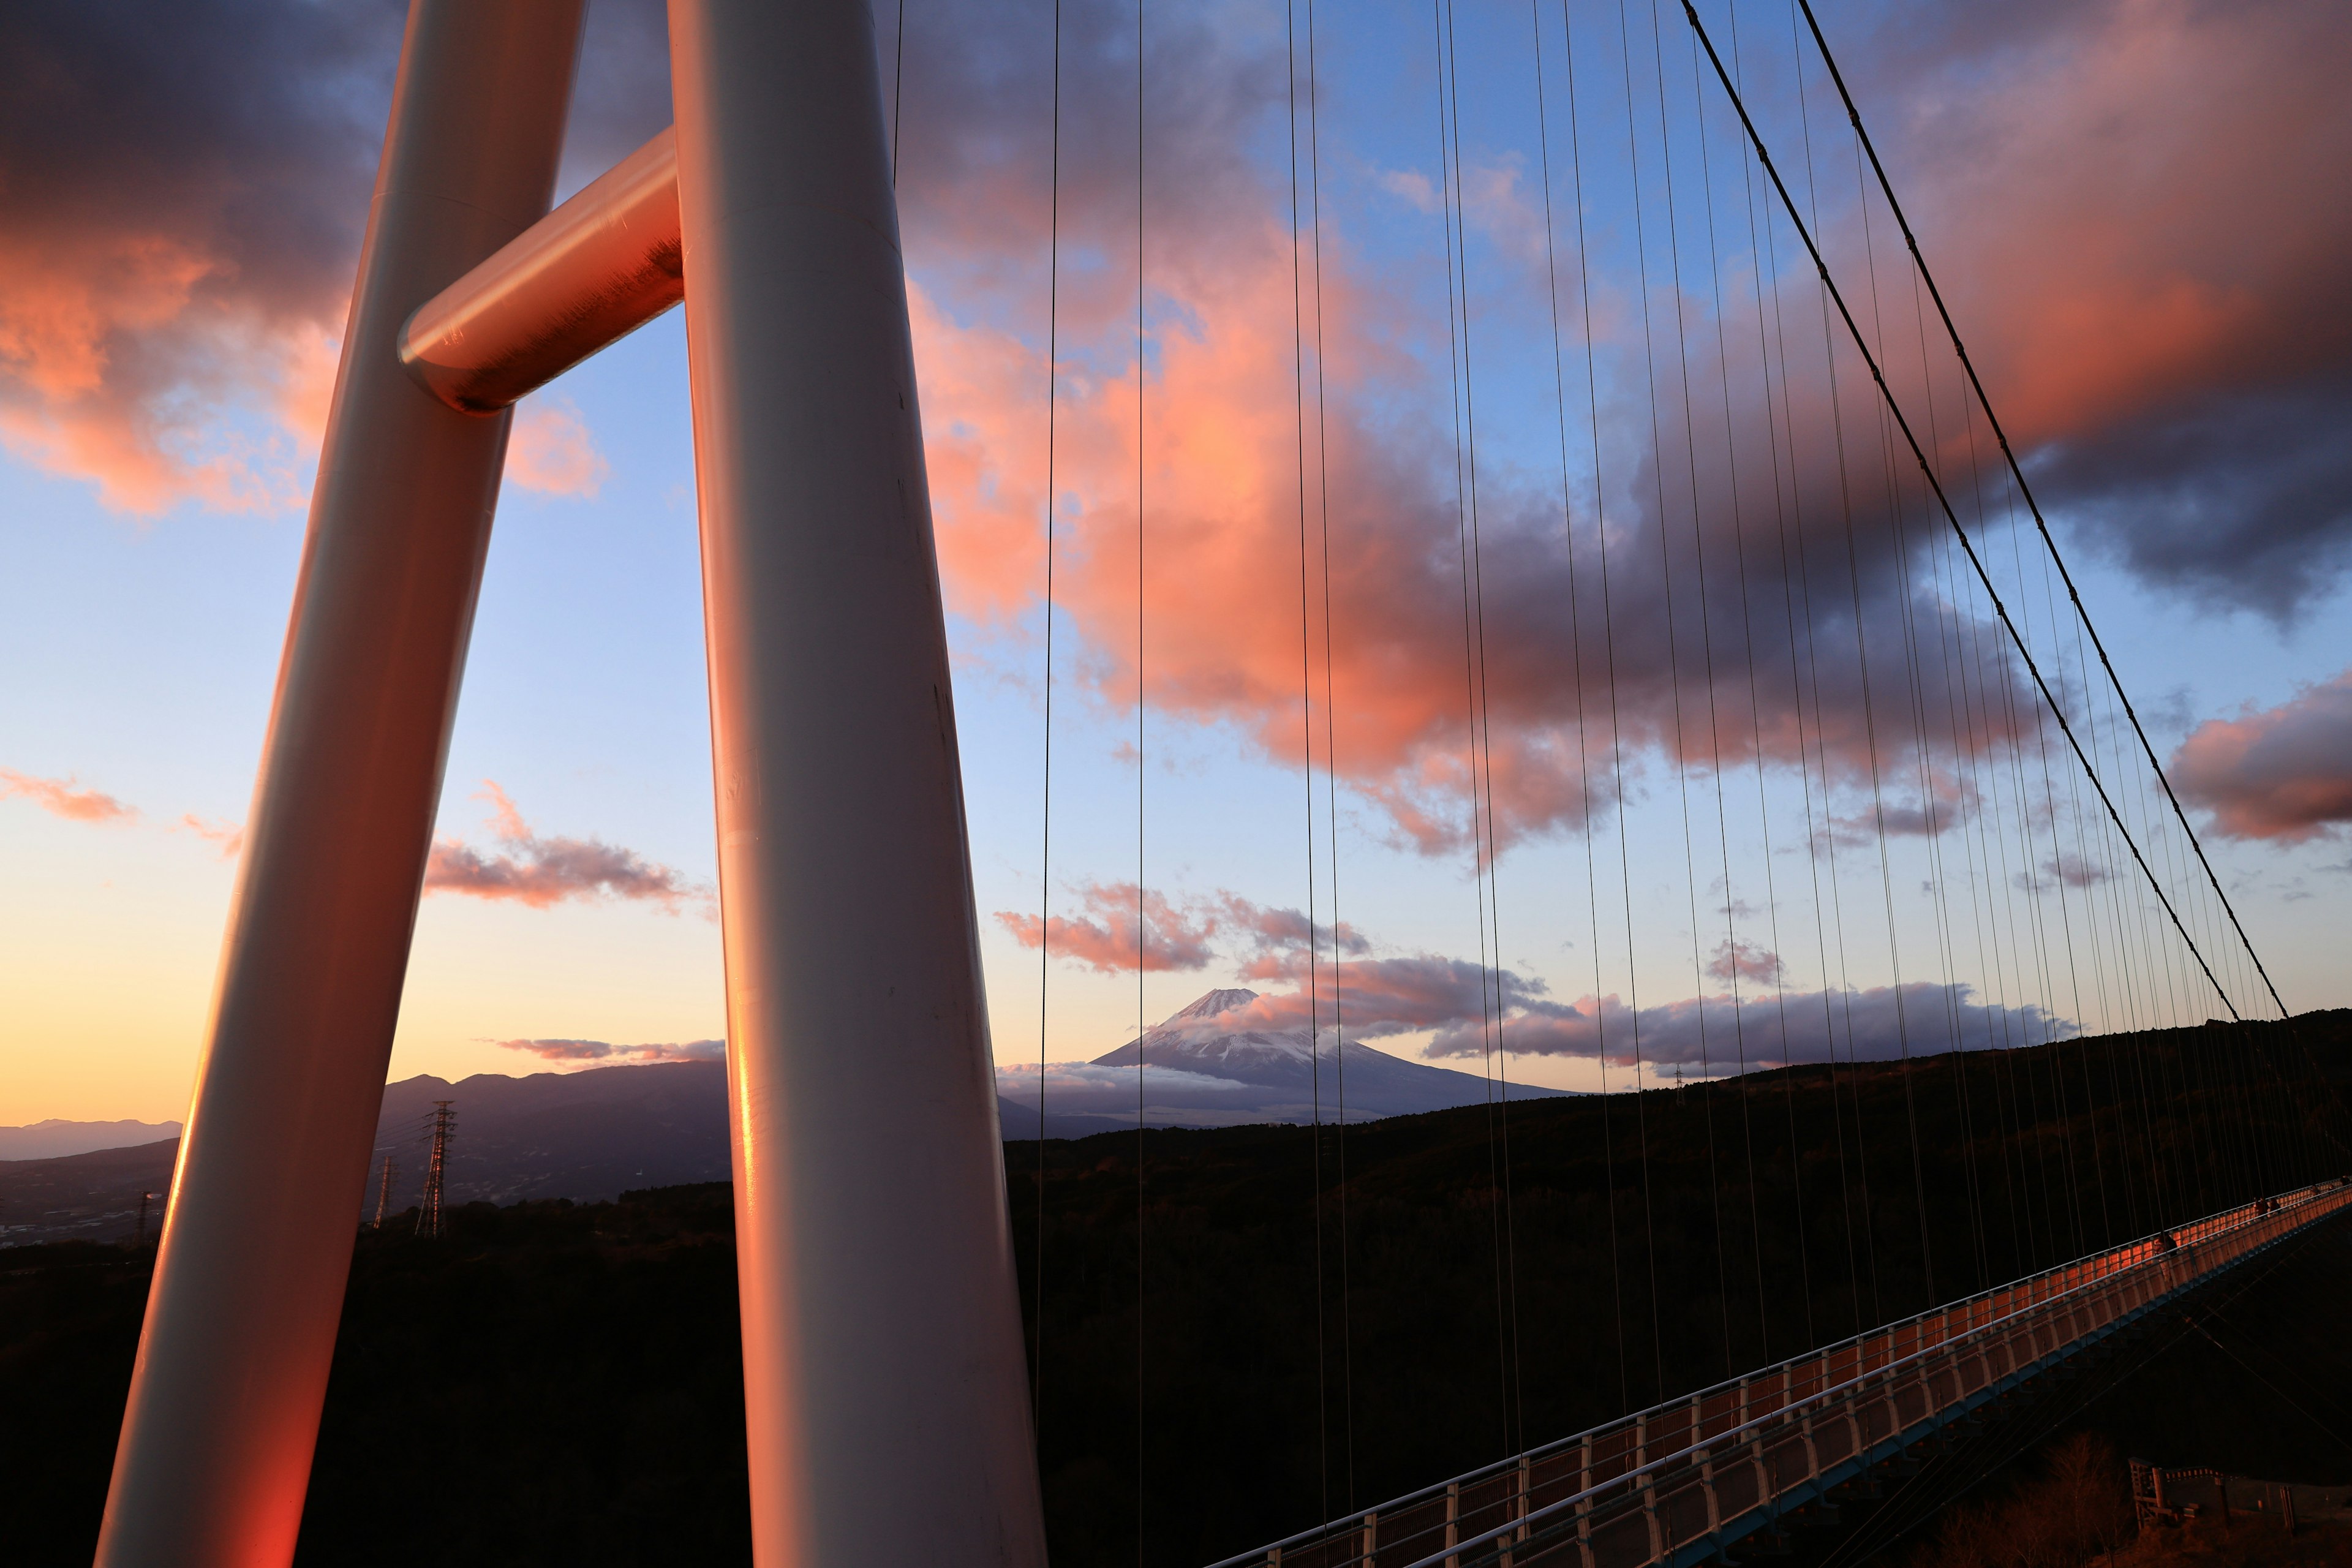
(580, 1135)
(597, 1133)
(1207, 1066)
(55, 1138)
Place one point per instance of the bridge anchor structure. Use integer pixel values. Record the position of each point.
(1681, 1482)
(881, 1329)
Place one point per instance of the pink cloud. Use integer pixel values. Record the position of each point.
(1467, 1009)
(1737, 960)
(551, 452)
(1267, 942)
(540, 871)
(1219, 449)
(2284, 774)
(176, 232)
(1105, 938)
(1378, 997)
(65, 797)
(1279, 945)
(2162, 309)
(586, 1053)
(2169, 259)
(225, 836)
(178, 226)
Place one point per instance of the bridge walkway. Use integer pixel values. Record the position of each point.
(1680, 1481)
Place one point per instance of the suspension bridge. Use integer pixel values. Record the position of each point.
(1790, 636)
(1687, 1480)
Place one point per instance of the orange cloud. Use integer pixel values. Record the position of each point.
(2284, 774)
(65, 797)
(1268, 943)
(1106, 938)
(1225, 631)
(177, 220)
(172, 339)
(181, 205)
(551, 452)
(225, 836)
(538, 872)
(2162, 309)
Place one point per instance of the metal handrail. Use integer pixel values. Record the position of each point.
(1440, 1558)
(2209, 1229)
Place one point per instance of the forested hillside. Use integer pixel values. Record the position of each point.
(560, 1383)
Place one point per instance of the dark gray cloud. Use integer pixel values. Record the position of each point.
(1764, 1028)
(2163, 312)
(2238, 500)
(2163, 318)
(183, 190)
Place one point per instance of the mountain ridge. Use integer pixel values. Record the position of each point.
(56, 1138)
(597, 1132)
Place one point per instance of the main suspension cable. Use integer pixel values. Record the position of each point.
(1853, 329)
(2025, 491)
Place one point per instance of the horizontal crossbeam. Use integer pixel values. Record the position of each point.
(579, 280)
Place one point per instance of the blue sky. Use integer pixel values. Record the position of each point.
(139, 643)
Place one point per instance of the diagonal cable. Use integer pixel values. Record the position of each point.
(1927, 471)
(2018, 473)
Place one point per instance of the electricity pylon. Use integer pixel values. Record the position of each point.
(383, 1193)
(428, 1209)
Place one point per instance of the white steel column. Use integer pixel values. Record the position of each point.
(885, 1387)
(224, 1410)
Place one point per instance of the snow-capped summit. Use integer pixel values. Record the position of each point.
(1224, 1059)
(1212, 1004)
(1207, 1036)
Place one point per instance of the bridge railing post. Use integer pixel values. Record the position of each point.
(1706, 1485)
(1649, 1488)
(1453, 1522)
(1584, 1509)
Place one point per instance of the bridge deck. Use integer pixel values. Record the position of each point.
(1677, 1483)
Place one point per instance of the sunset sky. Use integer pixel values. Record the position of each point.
(2135, 209)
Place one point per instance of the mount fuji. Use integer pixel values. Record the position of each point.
(1214, 1064)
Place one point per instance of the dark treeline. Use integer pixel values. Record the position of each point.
(562, 1383)
(552, 1384)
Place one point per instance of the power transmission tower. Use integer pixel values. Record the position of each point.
(383, 1193)
(429, 1211)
